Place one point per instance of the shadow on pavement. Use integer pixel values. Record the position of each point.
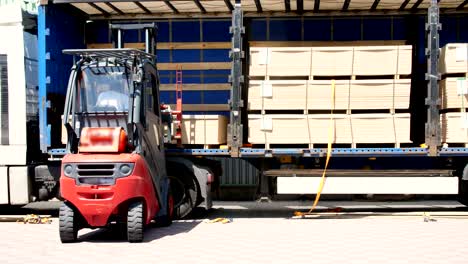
(277, 212)
(116, 234)
(325, 210)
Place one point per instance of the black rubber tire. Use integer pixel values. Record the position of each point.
(58, 193)
(463, 187)
(463, 191)
(135, 222)
(43, 194)
(166, 220)
(188, 189)
(68, 224)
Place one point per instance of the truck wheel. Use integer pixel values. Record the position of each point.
(185, 195)
(135, 222)
(463, 187)
(68, 224)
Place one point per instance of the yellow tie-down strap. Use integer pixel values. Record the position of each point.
(329, 149)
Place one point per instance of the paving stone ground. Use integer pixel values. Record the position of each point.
(263, 238)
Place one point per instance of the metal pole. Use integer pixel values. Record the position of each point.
(119, 38)
(236, 78)
(147, 41)
(433, 139)
(42, 33)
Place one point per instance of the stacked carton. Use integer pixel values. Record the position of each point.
(204, 130)
(291, 89)
(454, 93)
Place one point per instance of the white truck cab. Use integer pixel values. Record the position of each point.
(18, 101)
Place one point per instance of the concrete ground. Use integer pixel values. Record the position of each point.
(265, 233)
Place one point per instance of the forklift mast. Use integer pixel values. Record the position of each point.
(118, 31)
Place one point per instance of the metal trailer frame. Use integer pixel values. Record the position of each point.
(236, 79)
(433, 139)
(265, 161)
(236, 103)
(432, 128)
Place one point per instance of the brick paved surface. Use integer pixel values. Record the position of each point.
(275, 239)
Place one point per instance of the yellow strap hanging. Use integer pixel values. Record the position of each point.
(329, 148)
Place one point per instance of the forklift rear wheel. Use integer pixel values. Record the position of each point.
(68, 224)
(135, 222)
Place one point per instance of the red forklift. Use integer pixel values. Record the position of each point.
(115, 167)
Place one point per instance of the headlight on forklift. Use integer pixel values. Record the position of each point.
(68, 170)
(126, 169)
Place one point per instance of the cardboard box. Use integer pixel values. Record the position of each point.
(382, 60)
(326, 127)
(258, 61)
(359, 94)
(454, 92)
(380, 94)
(278, 129)
(381, 128)
(454, 127)
(320, 129)
(332, 61)
(285, 61)
(204, 129)
(320, 96)
(454, 58)
(277, 95)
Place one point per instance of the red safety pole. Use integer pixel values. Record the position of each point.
(177, 114)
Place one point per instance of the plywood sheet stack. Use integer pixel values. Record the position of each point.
(454, 93)
(366, 78)
(204, 130)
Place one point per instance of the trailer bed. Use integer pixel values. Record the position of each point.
(321, 152)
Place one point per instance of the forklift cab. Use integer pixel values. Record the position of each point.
(105, 89)
(115, 169)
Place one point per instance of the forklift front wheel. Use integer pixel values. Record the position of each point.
(135, 222)
(68, 224)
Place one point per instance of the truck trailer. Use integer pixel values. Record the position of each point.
(214, 43)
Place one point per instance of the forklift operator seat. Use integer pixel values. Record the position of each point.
(111, 100)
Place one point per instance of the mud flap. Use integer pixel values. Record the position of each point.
(165, 185)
